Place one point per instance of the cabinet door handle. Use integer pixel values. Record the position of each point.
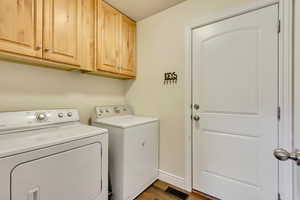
(47, 50)
(38, 48)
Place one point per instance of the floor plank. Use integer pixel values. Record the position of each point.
(157, 192)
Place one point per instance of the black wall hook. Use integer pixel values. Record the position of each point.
(170, 78)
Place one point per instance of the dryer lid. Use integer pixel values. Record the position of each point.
(126, 121)
(15, 143)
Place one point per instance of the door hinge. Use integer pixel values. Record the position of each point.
(279, 197)
(278, 113)
(279, 26)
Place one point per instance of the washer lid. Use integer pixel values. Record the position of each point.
(15, 143)
(125, 121)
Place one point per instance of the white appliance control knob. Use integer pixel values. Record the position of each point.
(117, 110)
(69, 114)
(60, 115)
(41, 116)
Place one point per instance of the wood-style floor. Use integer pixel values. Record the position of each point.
(157, 192)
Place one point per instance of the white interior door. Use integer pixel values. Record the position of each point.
(297, 96)
(235, 84)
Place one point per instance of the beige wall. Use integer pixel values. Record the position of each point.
(27, 87)
(161, 48)
(297, 74)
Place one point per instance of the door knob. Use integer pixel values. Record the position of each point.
(196, 118)
(284, 155)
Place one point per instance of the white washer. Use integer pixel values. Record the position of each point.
(49, 154)
(133, 149)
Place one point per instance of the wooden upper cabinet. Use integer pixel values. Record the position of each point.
(108, 43)
(128, 46)
(62, 33)
(21, 27)
(88, 34)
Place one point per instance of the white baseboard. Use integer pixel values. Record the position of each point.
(172, 179)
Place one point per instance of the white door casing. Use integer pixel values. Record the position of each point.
(235, 82)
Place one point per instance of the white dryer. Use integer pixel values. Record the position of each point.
(133, 149)
(49, 154)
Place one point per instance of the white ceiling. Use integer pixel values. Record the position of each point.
(140, 9)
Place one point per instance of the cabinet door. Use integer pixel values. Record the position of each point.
(108, 57)
(21, 27)
(88, 35)
(62, 31)
(128, 47)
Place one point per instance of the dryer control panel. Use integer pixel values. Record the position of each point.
(29, 119)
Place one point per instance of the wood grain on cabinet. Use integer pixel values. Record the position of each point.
(88, 34)
(21, 27)
(108, 43)
(128, 46)
(62, 31)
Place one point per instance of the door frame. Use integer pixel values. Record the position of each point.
(286, 13)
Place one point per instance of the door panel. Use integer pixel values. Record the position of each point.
(88, 34)
(141, 144)
(21, 27)
(128, 46)
(62, 31)
(108, 58)
(215, 82)
(235, 82)
(74, 174)
(297, 95)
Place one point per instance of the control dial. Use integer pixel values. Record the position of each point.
(41, 116)
(117, 110)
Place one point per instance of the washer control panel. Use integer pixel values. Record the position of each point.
(113, 110)
(27, 119)
(41, 117)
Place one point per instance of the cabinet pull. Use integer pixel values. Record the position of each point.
(38, 48)
(47, 50)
